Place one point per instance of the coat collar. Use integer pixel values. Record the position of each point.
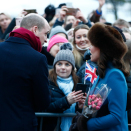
(17, 40)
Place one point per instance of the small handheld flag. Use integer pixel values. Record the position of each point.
(90, 73)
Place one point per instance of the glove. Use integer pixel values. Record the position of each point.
(81, 123)
(73, 127)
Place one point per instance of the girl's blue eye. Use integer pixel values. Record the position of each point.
(78, 37)
(67, 64)
(59, 64)
(85, 35)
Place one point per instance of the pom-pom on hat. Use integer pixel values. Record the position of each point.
(65, 54)
(54, 40)
(108, 40)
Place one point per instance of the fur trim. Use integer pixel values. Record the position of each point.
(108, 39)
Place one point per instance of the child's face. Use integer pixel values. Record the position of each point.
(55, 49)
(63, 69)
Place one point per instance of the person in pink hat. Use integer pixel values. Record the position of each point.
(53, 48)
(54, 44)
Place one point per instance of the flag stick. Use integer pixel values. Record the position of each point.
(85, 73)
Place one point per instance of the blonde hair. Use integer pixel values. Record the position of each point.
(121, 22)
(7, 15)
(78, 57)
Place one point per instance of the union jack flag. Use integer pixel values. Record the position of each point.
(90, 73)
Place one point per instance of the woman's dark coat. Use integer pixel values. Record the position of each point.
(58, 104)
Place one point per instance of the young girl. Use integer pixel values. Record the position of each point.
(62, 84)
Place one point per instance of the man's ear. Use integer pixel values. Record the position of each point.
(34, 29)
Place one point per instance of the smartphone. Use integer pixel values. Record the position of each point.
(18, 21)
(71, 11)
(81, 86)
(30, 11)
(57, 11)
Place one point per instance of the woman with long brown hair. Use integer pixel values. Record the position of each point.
(108, 49)
(63, 81)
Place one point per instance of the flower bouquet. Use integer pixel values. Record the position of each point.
(94, 100)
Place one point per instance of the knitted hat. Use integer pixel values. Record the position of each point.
(56, 30)
(50, 12)
(54, 40)
(50, 9)
(65, 54)
(108, 40)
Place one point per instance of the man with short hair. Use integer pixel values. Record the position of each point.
(24, 75)
(121, 23)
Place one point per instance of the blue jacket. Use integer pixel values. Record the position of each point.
(23, 85)
(113, 117)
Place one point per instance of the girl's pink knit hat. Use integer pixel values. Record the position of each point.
(54, 40)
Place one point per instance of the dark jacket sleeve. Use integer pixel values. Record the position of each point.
(57, 22)
(41, 85)
(59, 105)
(96, 16)
(88, 23)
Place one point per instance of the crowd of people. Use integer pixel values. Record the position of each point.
(44, 58)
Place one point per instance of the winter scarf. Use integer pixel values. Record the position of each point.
(66, 85)
(29, 36)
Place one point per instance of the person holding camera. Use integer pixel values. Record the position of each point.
(64, 19)
(63, 80)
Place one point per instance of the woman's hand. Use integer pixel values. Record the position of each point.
(101, 3)
(74, 97)
(62, 13)
(80, 16)
(16, 27)
(76, 23)
(23, 13)
(82, 101)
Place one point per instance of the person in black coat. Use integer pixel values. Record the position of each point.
(53, 48)
(127, 59)
(81, 71)
(24, 75)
